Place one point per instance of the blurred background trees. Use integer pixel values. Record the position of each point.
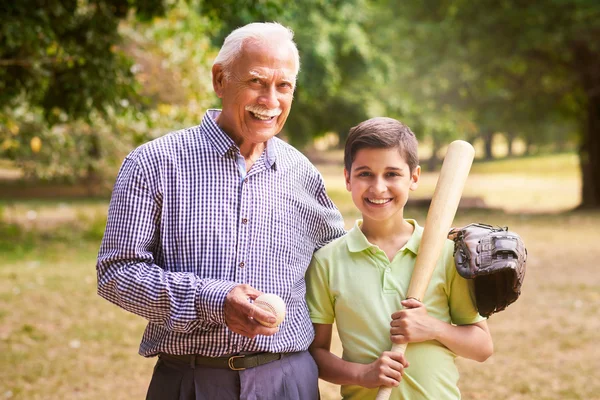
(83, 82)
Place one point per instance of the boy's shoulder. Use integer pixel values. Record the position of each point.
(333, 248)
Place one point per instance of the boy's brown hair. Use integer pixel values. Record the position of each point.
(382, 133)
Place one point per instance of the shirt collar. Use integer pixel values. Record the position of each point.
(358, 242)
(223, 143)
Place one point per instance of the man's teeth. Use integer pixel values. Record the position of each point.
(262, 116)
(378, 201)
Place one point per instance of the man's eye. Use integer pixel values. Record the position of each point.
(255, 80)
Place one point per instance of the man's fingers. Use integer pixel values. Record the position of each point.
(262, 315)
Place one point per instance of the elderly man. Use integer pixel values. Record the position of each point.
(205, 219)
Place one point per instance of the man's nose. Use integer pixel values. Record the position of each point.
(268, 97)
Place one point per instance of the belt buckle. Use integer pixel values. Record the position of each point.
(233, 367)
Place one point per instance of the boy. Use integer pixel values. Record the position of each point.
(360, 279)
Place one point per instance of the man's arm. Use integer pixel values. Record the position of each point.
(129, 277)
(385, 371)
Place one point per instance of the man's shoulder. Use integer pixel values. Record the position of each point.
(168, 145)
(288, 155)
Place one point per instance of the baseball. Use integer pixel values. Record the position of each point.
(273, 304)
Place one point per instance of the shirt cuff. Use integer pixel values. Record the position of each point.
(211, 301)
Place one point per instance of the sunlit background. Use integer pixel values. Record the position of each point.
(84, 82)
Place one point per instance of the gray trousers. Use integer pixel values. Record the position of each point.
(294, 377)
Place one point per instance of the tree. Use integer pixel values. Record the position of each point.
(540, 60)
(340, 69)
(61, 64)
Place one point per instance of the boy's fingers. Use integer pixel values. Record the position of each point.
(411, 303)
(399, 339)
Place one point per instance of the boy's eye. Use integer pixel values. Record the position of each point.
(365, 173)
(393, 174)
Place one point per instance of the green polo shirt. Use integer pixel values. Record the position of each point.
(352, 282)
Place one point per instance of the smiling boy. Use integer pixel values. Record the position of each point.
(360, 279)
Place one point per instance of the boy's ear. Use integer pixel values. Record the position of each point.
(416, 174)
(347, 179)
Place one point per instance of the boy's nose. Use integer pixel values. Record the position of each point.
(378, 186)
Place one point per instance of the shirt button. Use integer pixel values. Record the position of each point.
(245, 221)
(242, 265)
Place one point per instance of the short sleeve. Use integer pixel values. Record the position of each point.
(461, 298)
(321, 305)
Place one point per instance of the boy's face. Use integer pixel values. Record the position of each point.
(380, 180)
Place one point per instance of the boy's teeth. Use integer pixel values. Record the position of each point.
(377, 201)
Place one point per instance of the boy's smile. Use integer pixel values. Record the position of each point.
(380, 180)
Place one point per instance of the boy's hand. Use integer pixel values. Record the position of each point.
(413, 324)
(387, 370)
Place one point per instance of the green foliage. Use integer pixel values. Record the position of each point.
(167, 79)
(63, 56)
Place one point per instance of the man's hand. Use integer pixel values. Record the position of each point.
(240, 313)
(387, 370)
(413, 324)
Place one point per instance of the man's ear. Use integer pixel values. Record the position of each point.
(347, 179)
(218, 79)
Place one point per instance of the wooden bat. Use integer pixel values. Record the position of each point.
(442, 209)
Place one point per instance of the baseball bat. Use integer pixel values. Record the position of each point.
(444, 203)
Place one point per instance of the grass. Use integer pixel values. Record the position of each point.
(59, 340)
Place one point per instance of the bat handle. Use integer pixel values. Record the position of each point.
(384, 391)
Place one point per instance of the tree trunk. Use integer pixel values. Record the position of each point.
(510, 141)
(589, 155)
(588, 68)
(433, 161)
(487, 144)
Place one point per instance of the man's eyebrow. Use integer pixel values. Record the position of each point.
(257, 74)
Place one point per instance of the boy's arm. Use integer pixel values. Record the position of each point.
(385, 371)
(413, 324)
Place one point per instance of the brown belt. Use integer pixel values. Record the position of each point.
(234, 363)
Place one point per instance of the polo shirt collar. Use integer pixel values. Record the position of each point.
(223, 143)
(358, 242)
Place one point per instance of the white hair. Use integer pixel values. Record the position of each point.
(261, 32)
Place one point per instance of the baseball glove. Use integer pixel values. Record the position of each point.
(495, 259)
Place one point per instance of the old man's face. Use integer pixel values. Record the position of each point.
(257, 92)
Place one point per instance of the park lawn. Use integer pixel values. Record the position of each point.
(60, 340)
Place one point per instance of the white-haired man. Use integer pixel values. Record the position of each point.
(205, 219)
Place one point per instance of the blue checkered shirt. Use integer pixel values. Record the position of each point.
(186, 224)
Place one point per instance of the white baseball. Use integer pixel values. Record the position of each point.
(273, 304)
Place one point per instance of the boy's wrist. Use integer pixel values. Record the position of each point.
(357, 373)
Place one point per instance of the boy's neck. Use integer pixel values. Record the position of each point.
(390, 235)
